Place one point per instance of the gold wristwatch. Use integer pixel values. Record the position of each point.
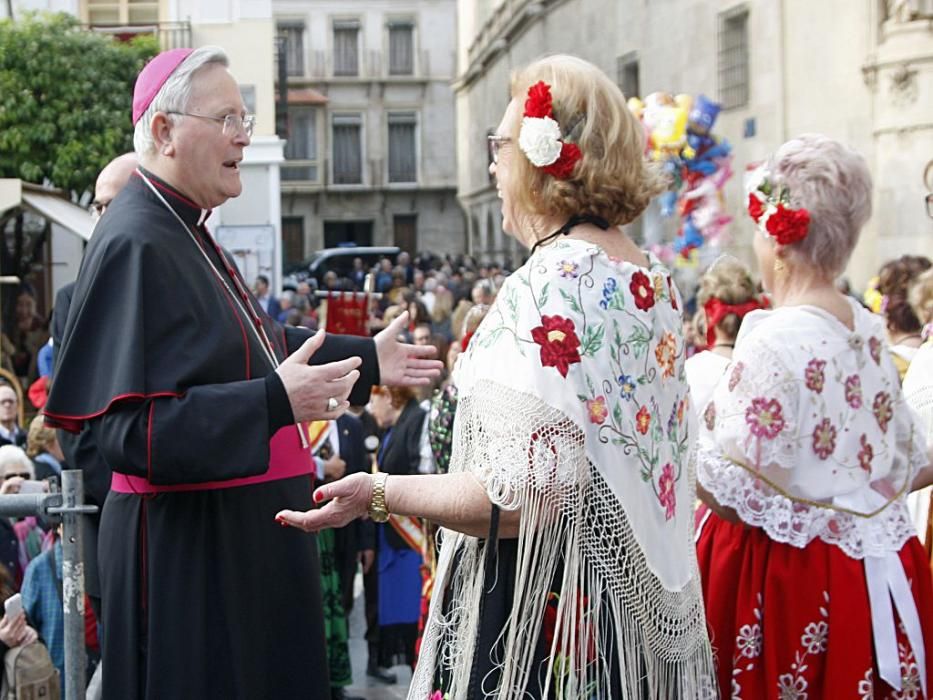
(377, 505)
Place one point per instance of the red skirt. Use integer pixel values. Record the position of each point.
(795, 623)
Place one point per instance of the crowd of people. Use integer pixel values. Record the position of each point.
(523, 510)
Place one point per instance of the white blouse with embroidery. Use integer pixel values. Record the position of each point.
(808, 435)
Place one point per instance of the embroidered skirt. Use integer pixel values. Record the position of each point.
(793, 623)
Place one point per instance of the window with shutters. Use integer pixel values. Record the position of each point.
(347, 143)
(403, 151)
(733, 58)
(401, 47)
(627, 74)
(301, 147)
(129, 12)
(346, 47)
(294, 48)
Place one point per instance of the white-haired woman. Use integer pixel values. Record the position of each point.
(814, 580)
(15, 468)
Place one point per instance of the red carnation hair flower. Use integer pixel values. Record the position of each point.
(562, 168)
(539, 103)
(788, 225)
(755, 210)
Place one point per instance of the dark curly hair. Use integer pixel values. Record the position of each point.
(894, 280)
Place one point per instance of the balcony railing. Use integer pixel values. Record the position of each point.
(373, 65)
(171, 35)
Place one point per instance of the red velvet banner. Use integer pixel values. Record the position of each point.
(348, 314)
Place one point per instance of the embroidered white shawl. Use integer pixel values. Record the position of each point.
(807, 435)
(574, 408)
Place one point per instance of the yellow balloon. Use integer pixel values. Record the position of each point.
(670, 128)
(636, 106)
(684, 101)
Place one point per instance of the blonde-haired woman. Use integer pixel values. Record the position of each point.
(918, 391)
(43, 449)
(727, 293)
(815, 583)
(567, 567)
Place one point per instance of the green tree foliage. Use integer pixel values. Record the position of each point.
(65, 99)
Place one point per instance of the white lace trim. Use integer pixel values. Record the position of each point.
(793, 522)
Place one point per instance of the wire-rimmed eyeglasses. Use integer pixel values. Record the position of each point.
(233, 123)
(496, 142)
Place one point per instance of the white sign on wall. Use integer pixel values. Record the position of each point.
(253, 248)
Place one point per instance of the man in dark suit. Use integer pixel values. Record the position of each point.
(266, 300)
(347, 540)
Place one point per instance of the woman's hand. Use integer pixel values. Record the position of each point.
(349, 499)
(11, 486)
(14, 632)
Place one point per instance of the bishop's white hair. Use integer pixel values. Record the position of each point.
(174, 95)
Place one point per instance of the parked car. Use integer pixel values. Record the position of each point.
(339, 260)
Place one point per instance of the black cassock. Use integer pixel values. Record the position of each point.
(205, 595)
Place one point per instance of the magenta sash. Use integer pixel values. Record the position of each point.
(288, 458)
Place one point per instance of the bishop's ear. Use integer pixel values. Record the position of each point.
(162, 133)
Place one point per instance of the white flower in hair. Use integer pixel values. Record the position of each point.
(539, 139)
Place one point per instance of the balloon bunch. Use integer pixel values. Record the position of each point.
(678, 135)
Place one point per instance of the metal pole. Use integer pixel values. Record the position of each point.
(73, 584)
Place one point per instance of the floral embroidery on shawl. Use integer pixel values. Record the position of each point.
(573, 407)
(809, 416)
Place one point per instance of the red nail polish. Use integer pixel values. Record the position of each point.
(318, 497)
(283, 523)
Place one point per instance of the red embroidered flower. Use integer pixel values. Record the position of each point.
(642, 290)
(874, 347)
(755, 210)
(736, 375)
(824, 439)
(882, 410)
(562, 168)
(597, 410)
(788, 226)
(814, 375)
(765, 418)
(643, 420)
(666, 495)
(559, 343)
(670, 289)
(584, 626)
(550, 619)
(539, 102)
(866, 454)
(666, 354)
(709, 416)
(854, 391)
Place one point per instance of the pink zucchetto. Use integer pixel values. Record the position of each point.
(153, 77)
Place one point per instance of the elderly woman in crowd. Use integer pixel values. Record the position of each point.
(20, 539)
(903, 326)
(806, 455)
(726, 294)
(918, 391)
(567, 567)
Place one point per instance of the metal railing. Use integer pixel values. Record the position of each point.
(171, 35)
(66, 506)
